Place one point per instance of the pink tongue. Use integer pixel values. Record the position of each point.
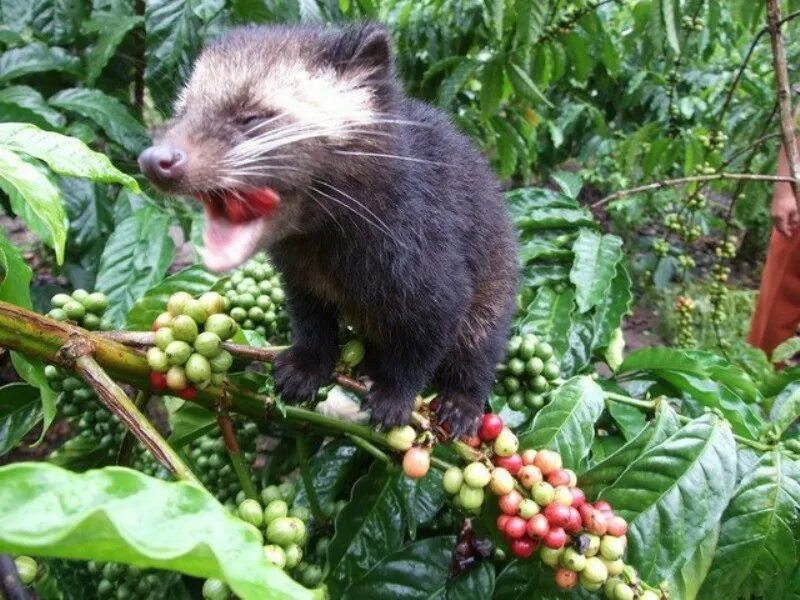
(227, 244)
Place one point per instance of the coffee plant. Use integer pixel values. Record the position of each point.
(145, 452)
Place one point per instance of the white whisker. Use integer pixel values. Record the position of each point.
(395, 156)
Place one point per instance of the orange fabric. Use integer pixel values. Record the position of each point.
(777, 311)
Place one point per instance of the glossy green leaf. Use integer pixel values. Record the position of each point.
(54, 21)
(566, 423)
(596, 258)
(107, 113)
(668, 15)
(417, 571)
(522, 200)
(424, 499)
(549, 316)
(630, 419)
(455, 81)
(24, 103)
(173, 33)
(88, 208)
(520, 580)
(368, 528)
(492, 79)
(35, 58)
(549, 218)
(63, 154)
(32, 372)
(786, 350)
(611, 468)
(121, 515)
(190, 422)
(195, 280)
(786, 408)
(610, 312)
(686, 582)
(692, 474)
(135, 258)
(19, 412)
(476, 583)
(525, 86)
(111, 29)
(332, 470)
(578, 355)
(758, 542)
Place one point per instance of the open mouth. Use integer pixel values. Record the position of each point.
(236, 224)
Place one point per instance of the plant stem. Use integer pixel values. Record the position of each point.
(235, 454)
(646, 404)
(784, 97)
(369, 448)
(308, 482)
(11, 588)
(117, 401)
(126, 447)
(656, 185)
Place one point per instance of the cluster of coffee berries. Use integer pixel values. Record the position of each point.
(255, 300)
(186, 357)
(661, 247)
(686, 262)
(77, 580)
(212, 466)
(541, 505)
(685, 308)
(82, 308)
(714, 141)
(693, 23)
(528, 373)
(696, 201)
(726, 249)
(285, 531)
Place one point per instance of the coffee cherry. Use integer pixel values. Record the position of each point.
(162, 320)
(595, 571)
(250, 512)
(578, 497)
(544, 351)
(575, 522)
(212, 303)
(501, 521)
(208, 344)
(558, 477)
(158, 380)
(401, 438)
(57, 314)
(622, 591)
(515, 527)
(75, 311)
(543, 493)
(527, 508)
(506, 443)
(648, 595)
(214, 589)
(523, 547)
(285, 530)
(562, 495)
(529, 476)
(534, 366)
(611, 548)
(288, 491)
(184, 328)
(294, 554)
(617, 526)
(602, 505)
(528, 456)
(198, 370)
(490, 428)
(416, 463)
(312, 576)
(59, 300)
(573, 560)
(512, 463)
(614, 567)
(590, 544)
(566, 579)
(555, 538)
(471, 498)
(96, 302)
(177, 302)
(275, 509)
(509, 503)
(178, 352)
(26, 568)
(477, 475)
(222, 325)
(588, 585)
(551, 556)
(501, 482)
(595, 522)
(557, 514)
(164, 337)
(551, 370)
(538, 526)
(275, 555)
(527, 347)
(221, 362)
(195, 311)
(270, 493)
(547, 461)
(353, 353)
(176, 379)
(157, 360)
(452, 480)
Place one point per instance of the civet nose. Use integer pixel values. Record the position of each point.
(163, 164)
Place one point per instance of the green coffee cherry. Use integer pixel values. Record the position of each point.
(250, 512)
(91, 322)
(80, 295)
(176, 379)
(477, 475)
(221, 325)
(96, 302)
(288, 491)
(194, 309)
(353, 353)
(285, 530)
(164, 337)
(294, 554)
(58, 314)
(470, 498)
(221, 362)
(163, 320)
(208, 344)
(75, 311)
(274, 510)
(157, 359)
(184, 328)
(275, 555)
(214, 589)
(401, 438)
(59, 300)
(452, 480)
(270, 493)
(27, 569)
(177, 303)
(178, 352)
(212, 303)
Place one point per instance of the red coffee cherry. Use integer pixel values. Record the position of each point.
(538, 526)
(512, 463)
(555, 538)
(490, 427)
(557, 514)
(617, 526)
(566, 579)
(515, 527)
(523, 547)
(509, 503)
